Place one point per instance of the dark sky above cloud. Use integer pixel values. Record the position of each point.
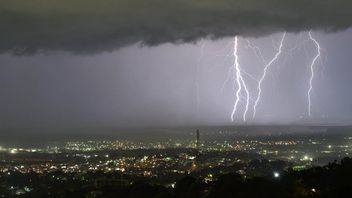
(89, 26)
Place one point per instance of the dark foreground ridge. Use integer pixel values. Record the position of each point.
(332, 180)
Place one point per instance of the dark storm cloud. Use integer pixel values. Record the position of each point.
(90, 26)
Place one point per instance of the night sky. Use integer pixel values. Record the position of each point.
(157, 63)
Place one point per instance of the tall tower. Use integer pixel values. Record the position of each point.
(195, 162)
(197, 140)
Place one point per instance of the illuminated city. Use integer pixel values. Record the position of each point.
(218, 152)
(176, 98)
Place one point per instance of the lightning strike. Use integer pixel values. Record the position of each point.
(256, 51)
(312, 72)
(266, 67)
(240, 82)
(196, 82)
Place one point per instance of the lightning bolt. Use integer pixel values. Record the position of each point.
(266, 67)
(240, 83)
(256, 51)
(312, 72)
(196, 82)
(236, 73)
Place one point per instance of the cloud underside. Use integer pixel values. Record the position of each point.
(93, 26)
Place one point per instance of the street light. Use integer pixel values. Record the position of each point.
(276, 174)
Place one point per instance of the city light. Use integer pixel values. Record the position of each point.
(276, 174)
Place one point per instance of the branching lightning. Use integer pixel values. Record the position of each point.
(240, 82)
(312, 72)
(256, 51)
(264, 73)
(239, 75)
(197, 68)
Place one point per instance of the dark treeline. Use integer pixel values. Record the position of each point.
(332, 180)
